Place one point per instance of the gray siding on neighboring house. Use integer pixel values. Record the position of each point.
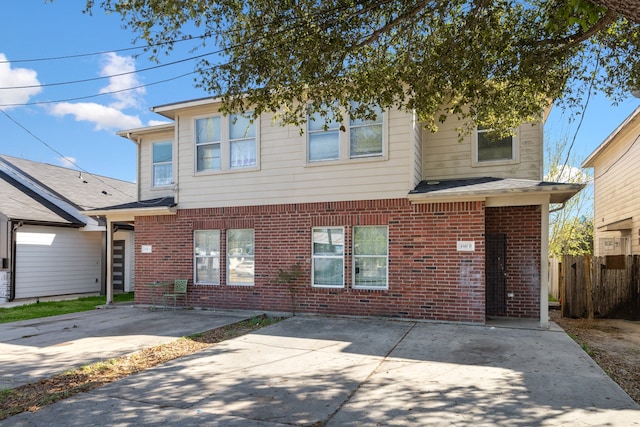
(57, 261)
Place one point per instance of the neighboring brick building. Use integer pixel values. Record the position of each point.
(383, 219)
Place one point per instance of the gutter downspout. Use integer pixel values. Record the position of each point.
(14, 247)
(559, 208)
(544, 268)
(109, 262)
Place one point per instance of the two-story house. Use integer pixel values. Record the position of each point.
(379, 217)
(616, 206)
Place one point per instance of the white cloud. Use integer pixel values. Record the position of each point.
(122, 69)
(68, 162)
(568, 174)
(111, 116)
(103, 117)
(14, 77)
(157, 122)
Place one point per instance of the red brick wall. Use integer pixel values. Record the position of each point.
(522, 225)
(428, 277)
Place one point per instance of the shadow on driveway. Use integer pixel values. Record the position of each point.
(337, 371)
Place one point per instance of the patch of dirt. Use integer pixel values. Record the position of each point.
(613, 344)
(31, 397)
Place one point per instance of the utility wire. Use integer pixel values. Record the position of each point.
(219, 51)
(79, 98)
(40, 140)
(114, 75)
(82, 55)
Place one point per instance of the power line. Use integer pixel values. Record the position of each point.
(79, 98)
(82, 55)
(114, 75)
(40, 140)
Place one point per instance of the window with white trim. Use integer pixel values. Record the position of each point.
(328, 257)
(240, 260)
(207, 257)
(370, 257)
(225, 143)
(355, 138)
(162, 159)
(490, 148)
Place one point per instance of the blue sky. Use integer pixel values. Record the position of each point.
(83, 131)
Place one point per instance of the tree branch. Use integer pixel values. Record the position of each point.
(628, 8)
(393, 23)
(579, 37)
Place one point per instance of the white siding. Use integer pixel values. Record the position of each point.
(145, 169)
(284, 175)
(616, 177)
(57, 261)
(418, 133)
(447, 156)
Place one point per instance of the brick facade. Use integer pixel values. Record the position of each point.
(428, 277)
(522, 227)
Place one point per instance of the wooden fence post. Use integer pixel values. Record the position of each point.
(588, 286)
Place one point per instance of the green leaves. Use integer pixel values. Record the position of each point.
(496, 63)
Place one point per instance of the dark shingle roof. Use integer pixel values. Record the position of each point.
(151, 203)
(490, 186)
(43, 193)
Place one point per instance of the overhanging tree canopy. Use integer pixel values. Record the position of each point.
(496, 63)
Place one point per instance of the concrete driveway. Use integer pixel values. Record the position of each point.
(342, 371)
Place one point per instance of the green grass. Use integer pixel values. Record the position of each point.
(552, 299)
(54, 308)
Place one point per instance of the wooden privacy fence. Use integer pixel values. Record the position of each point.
(606, 286)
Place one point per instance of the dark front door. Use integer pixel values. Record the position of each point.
(118, 265)
(495, 275)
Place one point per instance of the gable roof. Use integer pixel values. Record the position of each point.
(41, 193)
(589, 161)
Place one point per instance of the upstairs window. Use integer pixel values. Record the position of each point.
(490, 148)
(355, 138)
(162, 153)
(225, 142)
(242, 142)
(208, 144)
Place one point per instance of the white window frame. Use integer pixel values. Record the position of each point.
(315, 257)
(344, 142)
(225, 145)
(154, 164)
(355, 257)
(515, 150)
(200, 256)
(233, 258)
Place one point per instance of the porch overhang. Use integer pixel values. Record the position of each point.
(493, 191)
(128, 211)
(621, 225)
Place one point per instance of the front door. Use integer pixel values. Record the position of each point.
(495, 275)
(118, 265)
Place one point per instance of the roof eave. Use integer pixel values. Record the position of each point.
(150, 211)
(589, 161)
(169, 110)
(558, 193)
(131, 134)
